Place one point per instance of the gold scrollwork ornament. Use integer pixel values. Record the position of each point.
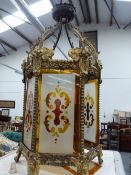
(81, 55)
(38, 55)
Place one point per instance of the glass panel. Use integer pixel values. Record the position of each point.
(28, 119)
(91, 111)
(57, 114)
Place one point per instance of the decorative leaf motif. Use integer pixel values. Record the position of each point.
(89, 116)
(56, 122)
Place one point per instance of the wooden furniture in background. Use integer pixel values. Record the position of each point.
(4, 122)
(104, 136)
(125, 139)
(104, 128)
(116, 136)
(113, 136)
(17, 126)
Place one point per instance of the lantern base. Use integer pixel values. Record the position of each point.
(81, 162)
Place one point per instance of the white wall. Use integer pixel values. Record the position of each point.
(115, 53)
(11, 86)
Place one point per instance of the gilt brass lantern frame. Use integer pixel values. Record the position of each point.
(85, 64)
(56, 67)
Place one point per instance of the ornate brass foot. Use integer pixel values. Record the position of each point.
(82, 166)
(19, 151)
(100, 160)
(33, 166)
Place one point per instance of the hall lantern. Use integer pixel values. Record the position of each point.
(61, 101)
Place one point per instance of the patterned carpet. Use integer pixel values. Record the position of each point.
(6, 145)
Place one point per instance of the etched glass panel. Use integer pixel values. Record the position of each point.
(57, 113)
(91, 111)
(28, 119)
